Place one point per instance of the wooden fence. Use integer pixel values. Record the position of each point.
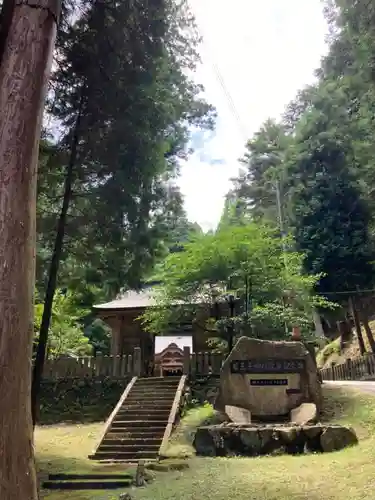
(360, 368)
(202, 363)
(196, 364)
(90, 367)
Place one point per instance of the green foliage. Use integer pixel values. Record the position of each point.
(331, 219)
(122, 77)
(66, 336)
(237, 260)
(262, 174)
(328, 350)
(99, 335)
(318, 161)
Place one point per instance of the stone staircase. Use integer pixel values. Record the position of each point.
(142, 420)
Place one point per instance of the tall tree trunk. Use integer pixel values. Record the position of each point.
(24, 71)
(353, 307)
(53, 272)
(5, 21)
(369, 334)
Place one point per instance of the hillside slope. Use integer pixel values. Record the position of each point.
(331, 352)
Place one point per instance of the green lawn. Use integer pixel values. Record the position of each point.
(345, 474)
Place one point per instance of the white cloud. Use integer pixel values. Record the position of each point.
(264, 52)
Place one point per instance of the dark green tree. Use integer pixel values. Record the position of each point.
(331, 219)
(124, 104)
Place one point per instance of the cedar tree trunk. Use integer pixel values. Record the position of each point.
(24, 70)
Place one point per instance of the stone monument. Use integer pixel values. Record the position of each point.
(266, 380)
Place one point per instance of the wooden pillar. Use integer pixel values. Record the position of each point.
(186, 367)
(116, 351)
(115, 324)
(137, 370)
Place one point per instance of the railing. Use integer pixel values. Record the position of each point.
(90, 367)
(202, 363)
(360, 368)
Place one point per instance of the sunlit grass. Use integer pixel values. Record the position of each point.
(332, 476)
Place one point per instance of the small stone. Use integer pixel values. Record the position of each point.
(304, 414)
(140, 474)
(167, 466)
(312, 431)
(238, 415)
(266, 437)
(251, 440)
(336, 438)
(204, 443)
(288, 434)
(125, 496)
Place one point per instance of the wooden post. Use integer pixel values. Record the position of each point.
(140, 474)
(137, 368)
(349, 367)
(333, 371)
(186, 369)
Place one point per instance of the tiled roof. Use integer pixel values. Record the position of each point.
(130, 300)
(134, 300)
(162, 343)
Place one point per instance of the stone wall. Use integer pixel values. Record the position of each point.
(78, 400)
(204, 389)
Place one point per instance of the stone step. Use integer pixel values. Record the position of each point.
(88, 477)
(152, 383)
(136, 400)
(140, 424)
(145, 412)
(156, 380)
(144, 405)
(124, 455)
(86, 485)
(149, 400)
(160, 387)
(146, 417)
(126, 433)
(154, 448)
(155, 393)
(132, 441)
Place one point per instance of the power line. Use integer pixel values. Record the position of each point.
(223, 86)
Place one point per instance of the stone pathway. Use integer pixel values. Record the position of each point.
(367, 387)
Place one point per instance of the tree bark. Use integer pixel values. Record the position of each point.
(24, 71)
(53, 272)
(5, 21)
(353, 307)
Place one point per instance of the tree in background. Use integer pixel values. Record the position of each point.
(124, 104)
(262, 176)
(66, 334)
(323, 161)
(247, 262)
(27, 35)
(331, 219)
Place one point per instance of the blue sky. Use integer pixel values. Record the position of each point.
(265, 51)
